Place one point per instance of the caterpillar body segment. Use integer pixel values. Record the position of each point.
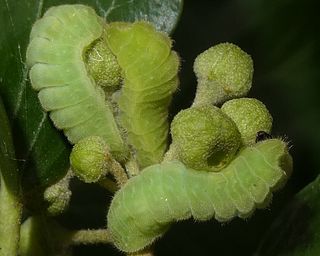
(150, 78)
(164, 193)
(55, 55)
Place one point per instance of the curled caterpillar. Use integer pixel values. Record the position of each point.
(55, 55)
(62, 55)
(150, 78)
(145, 207)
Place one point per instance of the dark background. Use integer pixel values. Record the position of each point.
(283, 38)
(284, 41)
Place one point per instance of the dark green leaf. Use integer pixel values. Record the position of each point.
(297, 229)
(42, 149)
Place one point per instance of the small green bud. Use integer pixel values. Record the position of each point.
(90, 159)
(205, 138)
(103, 66)
(224, 72)
(250, 116)
(58, 196)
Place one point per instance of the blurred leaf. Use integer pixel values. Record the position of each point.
(8, 168)
(285, 38)
(296, 231)
(10, 196)
(42, 150)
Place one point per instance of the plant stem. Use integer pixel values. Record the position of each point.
(89, 236)
(10, 191)
(118, 173)
(132, 167)
(171, 154)
(98, 236)
(108, 184)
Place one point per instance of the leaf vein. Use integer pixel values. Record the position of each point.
(37, 133)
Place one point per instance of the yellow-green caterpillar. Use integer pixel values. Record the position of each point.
(55, 55)
(150, 78)
(145, 207)
(69, 59)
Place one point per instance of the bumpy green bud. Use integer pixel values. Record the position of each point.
(223, 72)
(103, 66)
(58, 196)
(250, 116)
(90, 159)
(205, 138)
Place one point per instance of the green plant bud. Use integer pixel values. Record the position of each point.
(224, 72)
(58, 196)
(90, 159)
(206, 138)
(103, 65)
(250, 116)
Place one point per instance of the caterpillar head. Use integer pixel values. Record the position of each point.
(223, 72)
(251, 117)
(89, 159)
(205, 137)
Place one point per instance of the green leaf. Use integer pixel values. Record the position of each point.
(10, 194)
(163, 14)
(296, 231)
(43, 151)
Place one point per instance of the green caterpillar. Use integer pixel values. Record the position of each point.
(64, 46)
(150, 78)
(145, 207)
(55, 55)
(219, 171)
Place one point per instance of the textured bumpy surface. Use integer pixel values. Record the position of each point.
(206, 138)
(55, 55)
(250, 115)
(224, 71)
(143, 209)
(150, 78)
